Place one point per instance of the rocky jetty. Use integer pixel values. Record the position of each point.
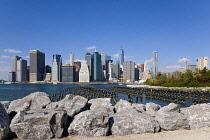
(36, 117)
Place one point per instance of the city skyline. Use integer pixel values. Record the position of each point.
(178, 30)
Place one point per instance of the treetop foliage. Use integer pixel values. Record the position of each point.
(200, 78)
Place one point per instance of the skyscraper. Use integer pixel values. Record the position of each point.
(108, 70)
(96, 66)
(57, 68)
(88, 60)
(146, 67)
(203, 62)
(136, 72)
(155, 64)
(14, 63)
(77, 66)
(12, 77)
(72, 59)
(84, 75)
(14, 67)
(121, 56)
(103, 58)
(141, 67)
(37, 65)
(21, 73)
(129, 71)
(68, 73)
(115, 71)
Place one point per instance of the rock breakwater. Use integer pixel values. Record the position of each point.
(36, 117)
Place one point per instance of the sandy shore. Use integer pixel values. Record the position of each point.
(196, 134)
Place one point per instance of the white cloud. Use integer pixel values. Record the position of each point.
(2, 62)
(183, 60)
(5, 69)
(173, 68)
(12, 51)
(27, 56)
(91, 48)
(4, 56)
(149, 60)
(116, 55)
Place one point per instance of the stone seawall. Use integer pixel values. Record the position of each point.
(36, 117)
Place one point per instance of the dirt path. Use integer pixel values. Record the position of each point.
(197, 134)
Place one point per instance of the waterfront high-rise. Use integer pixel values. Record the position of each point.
(72, 59)
(11, 76)
(108, 70)
(114, 71)
(88, 60)
(146, 74)
(146, 70)
(68, 73)
(103, 58)
(14, 63)
(37, 66)
(77, 66)
(155, 64)
(21, 73)
(57, 68)
(48, 69)
(136, 72)
(96, 66)
(121, 56)
(129, 71)
(203, 62)
(141, 67)
(14, 67)
(84, 75)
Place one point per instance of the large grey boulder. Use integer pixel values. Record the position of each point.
(39, 124)
(36, 100)
(90, 123)
(122, 104)
(71, 103)
(152, 108)
(5, 104)
(199, 116)
(139, 107)
(4, 123)
(102, 103)
(130, 121)
(170, 118)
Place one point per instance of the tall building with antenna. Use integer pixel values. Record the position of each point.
(121, 56)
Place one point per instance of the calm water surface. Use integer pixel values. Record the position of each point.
(17, 91)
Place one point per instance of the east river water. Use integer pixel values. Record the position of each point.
(16, 91)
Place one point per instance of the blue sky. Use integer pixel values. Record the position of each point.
(176, 29)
